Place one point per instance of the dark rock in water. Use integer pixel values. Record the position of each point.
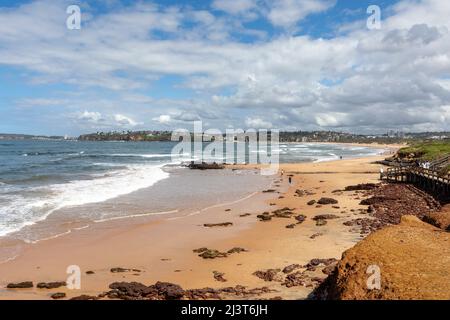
(236, 250)
(90, 272)
(20, 285)
(51, 285)
(221, 224)
(321, 222)
(58, 295)
(205, 166)
(311, 202)
(300, 218)
(327, 201)
(325, 217)
(269, 191)
(291, 267)
(245, 215)
(268, 275)
(219, 276)
(84, 297)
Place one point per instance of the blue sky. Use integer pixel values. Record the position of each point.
(287, 64)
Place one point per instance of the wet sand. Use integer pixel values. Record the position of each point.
(162, 249)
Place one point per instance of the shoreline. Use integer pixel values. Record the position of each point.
(111, 245)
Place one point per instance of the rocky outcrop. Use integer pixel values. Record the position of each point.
(388, 203)
(171, 291)
(412, 257)
(362, 186)
(205, 166)
(439, 219)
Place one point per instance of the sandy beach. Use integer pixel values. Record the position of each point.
(162, 250)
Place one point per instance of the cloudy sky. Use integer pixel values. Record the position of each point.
(286, 64)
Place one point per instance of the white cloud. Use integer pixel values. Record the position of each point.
(287, 13)
(93, 117)
(124, 121)
(360, 80)
(163, 119)
(258, 123)
(234, 6)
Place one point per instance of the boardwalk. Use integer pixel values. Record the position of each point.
(430, 180)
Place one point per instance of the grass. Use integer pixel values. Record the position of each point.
(426, 150)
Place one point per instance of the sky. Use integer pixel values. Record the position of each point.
(272, 64)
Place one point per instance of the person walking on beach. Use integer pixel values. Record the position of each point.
(381, 173)
(290, 180)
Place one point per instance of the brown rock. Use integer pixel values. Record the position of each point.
(219, 276)
(85, 297)
(51, 285)
(291, 267)
(20, 285)
(327, 201)
(268, 275)
(236, 250)
(325, 217)
(413, 258)
(212, 254)
(221, 224)
(58, 295)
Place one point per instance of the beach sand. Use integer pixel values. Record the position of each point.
(163, 249)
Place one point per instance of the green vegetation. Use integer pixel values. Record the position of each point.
(426, 150)
(127, 136)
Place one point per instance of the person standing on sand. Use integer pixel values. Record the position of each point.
(290, 180)
(381, 173)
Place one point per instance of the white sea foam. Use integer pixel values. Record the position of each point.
(330, 157)
(20, 211)
(153, 155)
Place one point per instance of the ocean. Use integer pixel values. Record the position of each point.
(51, 187)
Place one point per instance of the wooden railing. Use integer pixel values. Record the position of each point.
(440, 163)
(428, 179)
